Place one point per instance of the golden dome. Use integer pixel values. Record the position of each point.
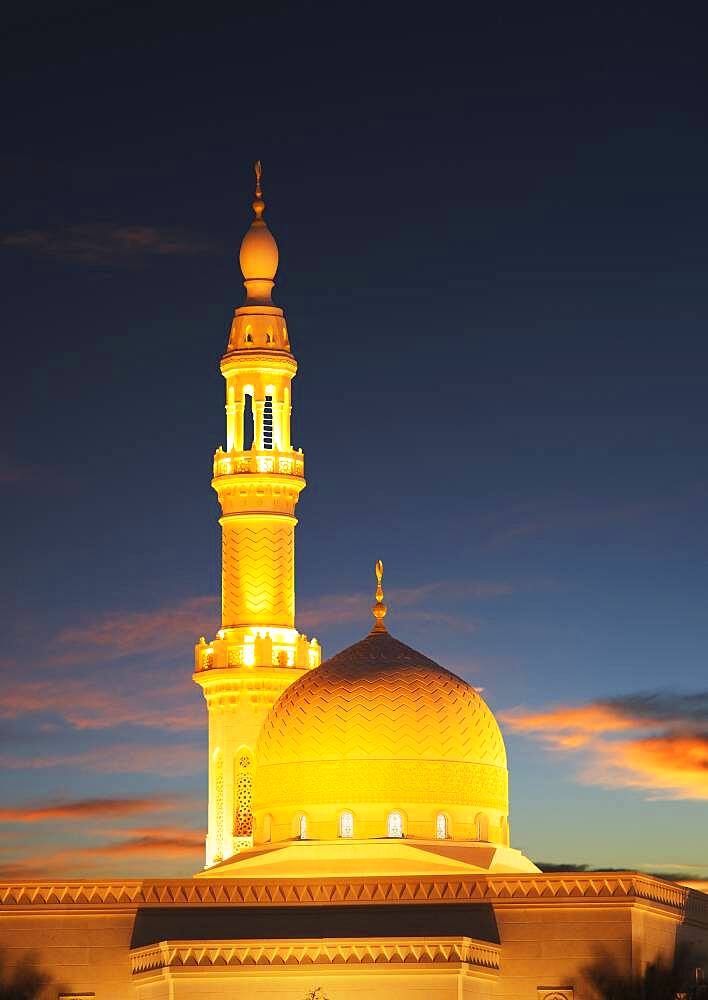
(381, 727)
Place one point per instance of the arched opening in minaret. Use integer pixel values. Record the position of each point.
(268, 423)
(248, 419)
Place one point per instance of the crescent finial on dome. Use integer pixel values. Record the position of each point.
(379, 609)
(258, 204)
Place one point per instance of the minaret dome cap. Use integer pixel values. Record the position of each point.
(258, 256)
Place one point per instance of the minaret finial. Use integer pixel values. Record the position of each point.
(379, 609)
(258, 204)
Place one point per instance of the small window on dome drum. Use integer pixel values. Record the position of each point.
(346, 825)
(303, 828)
(395, 824)
(441, 826)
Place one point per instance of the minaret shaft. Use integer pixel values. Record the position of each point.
(258, 478)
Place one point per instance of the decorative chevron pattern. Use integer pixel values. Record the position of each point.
(522, 889)
(380, 700)
(333, 951)
(258, 573)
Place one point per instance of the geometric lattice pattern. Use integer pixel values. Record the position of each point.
(218, 771)
(243, 824)
(258, 573)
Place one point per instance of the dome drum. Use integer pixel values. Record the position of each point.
(371, 822)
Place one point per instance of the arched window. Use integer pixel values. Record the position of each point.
(481, 826)
(441, 826)
(303, 828)
(267, 828)
(346, 824)
(505, 830)
(395, 824)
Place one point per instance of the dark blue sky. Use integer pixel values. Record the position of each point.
(492, 226)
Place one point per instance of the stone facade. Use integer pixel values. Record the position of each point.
(509, 938)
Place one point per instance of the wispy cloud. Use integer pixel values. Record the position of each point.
(133, 853)
(83, 809)
(128, 633)
(572, 513)
(164, 843)
(105, 243)
(657, 741)
(411, 603)
(12, 472)
(90, 705)
(172, 760)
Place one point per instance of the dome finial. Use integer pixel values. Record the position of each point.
(258, 204)
(379, 609)
(258, 255)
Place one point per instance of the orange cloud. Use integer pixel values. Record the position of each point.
(568, 726)
(656, 741)
(82, 809)
(160, 848)
(166, 844)
(670, 763)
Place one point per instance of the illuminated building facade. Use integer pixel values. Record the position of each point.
(358, 840)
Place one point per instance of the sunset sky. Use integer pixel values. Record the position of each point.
(492, 232)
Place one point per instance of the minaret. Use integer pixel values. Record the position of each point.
(257, 651)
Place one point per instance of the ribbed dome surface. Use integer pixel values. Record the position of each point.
(380, 700)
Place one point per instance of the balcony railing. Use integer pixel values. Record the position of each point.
(282, 463)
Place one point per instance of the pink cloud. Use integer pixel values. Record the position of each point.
(123, 758)
(130, 633)
(87, 705)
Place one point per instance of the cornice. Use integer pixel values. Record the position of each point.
(496, 889)
(185, 955)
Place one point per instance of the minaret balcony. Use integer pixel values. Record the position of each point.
(253, 462)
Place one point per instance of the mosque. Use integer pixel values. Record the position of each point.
(358, 840)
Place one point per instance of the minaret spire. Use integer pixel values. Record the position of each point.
(258, 167)
(258, 478)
